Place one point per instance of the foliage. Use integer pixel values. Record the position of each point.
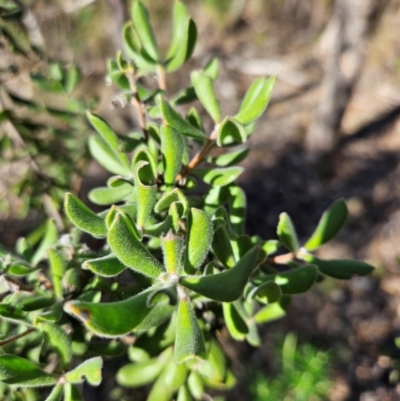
(303, 375)
(42, 134)
(174, 262)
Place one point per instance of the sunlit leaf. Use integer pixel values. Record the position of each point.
(83, 217)
(57, 270)
(329, 225)
(230, 158)
(89, 370)
(107, 266)
(109, 196)
(287, 233)
(56, 393)
(231, 132)
(235, 324)
(189, 340)
(219, 176)
(226, 286)
(50, 238)
(15, 370)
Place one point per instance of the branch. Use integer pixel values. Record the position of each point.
(137, 103)
(16, 337)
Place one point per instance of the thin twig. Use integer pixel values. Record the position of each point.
(161, 78)
(200, 155)
(138, 104)
(16, 337)
(20, 286)
(281, 259)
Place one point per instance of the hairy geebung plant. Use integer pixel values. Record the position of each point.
(185, 259)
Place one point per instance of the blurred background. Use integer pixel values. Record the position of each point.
(332, 130)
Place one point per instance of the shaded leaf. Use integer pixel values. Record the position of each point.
(231, 132)
(219, 176)
(235, 323)
(107, 266)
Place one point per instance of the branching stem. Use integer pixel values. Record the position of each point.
(137, 104)
(200, 155)
(16, 337)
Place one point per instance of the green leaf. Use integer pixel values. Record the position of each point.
(255, 100)
(110, 349)
(17, 269)
(226, 286)
(295, 281)
(59, 340)
(129, 250)
(340, 268)
(221, 247)
(184, 394)
(134, 51)
(141, 373)
(219, 176)
(230, 158)
(189, 340)
(287, 233)
(199, 238)
(56, 393)
(35, 302)
(212, 68)
(175, 120)
(203, 85)
(71, 393)
(83, 217)
(235, 323)
(141, 22)
(184, 38)
(107, 266)
(231, 132)
(145, 194)
(104, 130)
(18, 371)
(57, 270)
(112, 319)
(172, 148)
(237, 208)
(266, 293)
(172, 246)
(13, 313)
(195, 385)
(170, 197)
(109, 196)
(329, 225)
(49, 239)
(89, 369)
(269, 313)
(270, 247)
(214, 367)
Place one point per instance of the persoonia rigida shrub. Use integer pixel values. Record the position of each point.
(175, 266)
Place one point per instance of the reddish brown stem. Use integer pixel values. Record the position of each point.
(138, 104)
(281, 259)
(161, 78)
(16, 337)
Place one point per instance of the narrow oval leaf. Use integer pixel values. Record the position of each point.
(23, 373)
(110, 349)
(107, 157)
(231, 132)
(341, 268)
(184, 38)
(189, 340)
(184, 394)
(109, 196)
(145, 194)
(59, 340)
(49, 239)
(195, 385)
(175, 120)
(295, 281)
(166, 200)
(172, 246)
(89, 370)
(255, 100)
(111, 319)
(141, 22)
(212, 68)
(235, 324)
(130, 251)
(214, 367)
(139, 374)
(230, 158)
(71, 393)
(56, 393)
(13, 314)
(57, 270)
(266, 293)
(203, 85)
(269, 313)
(172, 148)
(226, 286)
(219, 176)
(221, 247)
(105, 131)
(83, 217)
(107, 266)
(329, 225)
(199, 238)
(237, 208)
(287, 233)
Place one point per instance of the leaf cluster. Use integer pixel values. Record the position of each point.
(175, 262)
